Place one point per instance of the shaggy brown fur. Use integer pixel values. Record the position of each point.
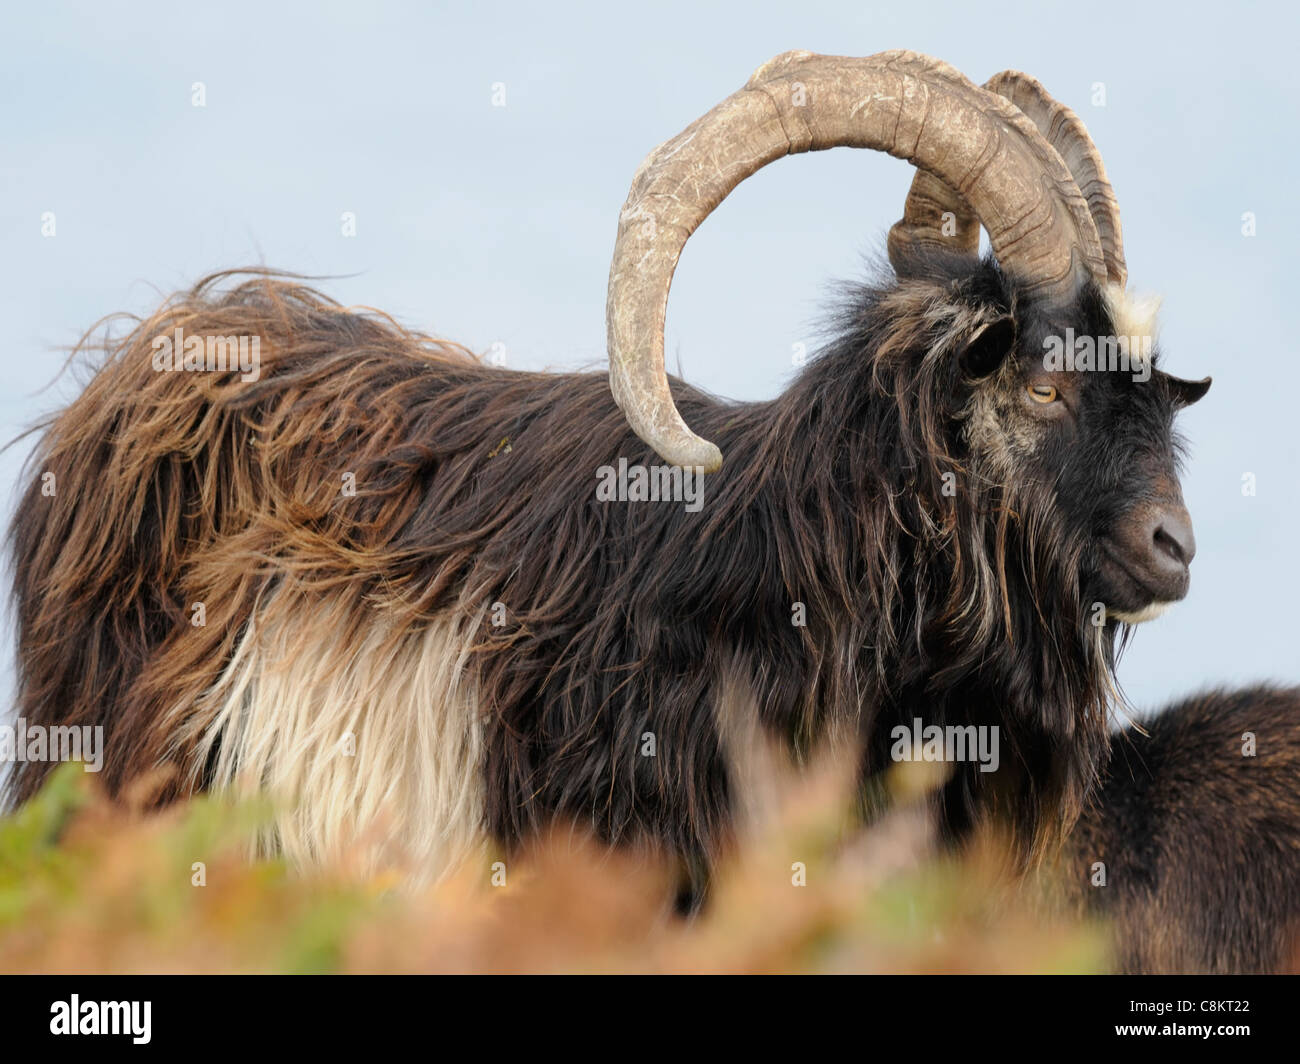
(1199, 837)
(476, 486)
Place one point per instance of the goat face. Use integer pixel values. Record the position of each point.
(1081, 411)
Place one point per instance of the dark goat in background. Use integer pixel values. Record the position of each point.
(1191, 845)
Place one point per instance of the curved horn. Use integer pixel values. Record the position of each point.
(1065, 132)
(934, 216)
(908, 105)
(928, 202)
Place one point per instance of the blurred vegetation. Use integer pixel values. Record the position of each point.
(92, 886)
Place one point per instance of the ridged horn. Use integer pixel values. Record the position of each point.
(909, 105)
(935, 216)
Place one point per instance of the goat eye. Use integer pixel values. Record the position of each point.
(1041, 393)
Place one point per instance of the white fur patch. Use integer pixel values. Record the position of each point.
(757, 766)
(370, 747)
(1132, 315)
(1146, 613)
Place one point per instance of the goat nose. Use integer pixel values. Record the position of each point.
(1172, 536)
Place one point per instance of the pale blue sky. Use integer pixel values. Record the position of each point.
(494, 225)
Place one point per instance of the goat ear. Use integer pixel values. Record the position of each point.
(987, 347)
(1186, 392)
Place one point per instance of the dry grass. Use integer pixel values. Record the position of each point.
(86, 886)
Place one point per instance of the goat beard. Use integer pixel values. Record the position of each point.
(1001, 636)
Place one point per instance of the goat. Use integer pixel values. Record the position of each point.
(1191, 844)
(386, 582)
